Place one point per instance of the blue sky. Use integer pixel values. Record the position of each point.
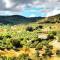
(30, 8)
(33, 12)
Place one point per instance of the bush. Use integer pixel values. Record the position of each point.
(50, 27)
(48, 52)
(24, 57)
(1, 37)
(33, 44)
(29, 28)
(45, 42)
(7, 58)
(58, 52)
(50, 46)
(50, 37)
(13, 58)
(6, 43)
(58, 37)
(8, 36)
(54, 32)
(16, 43)
(2, 48)
(36, 53)
(3, 58)
(40, 26)
(39, 46)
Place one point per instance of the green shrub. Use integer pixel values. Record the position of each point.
(58, 52)
(45, 42)
(50, 27)
(58, 37)
(39, 39)
(1, 37)
(29, 28)
(24, 57)
(16, 43)
(36, 53)
(7, 58)
(39, 27)
(48, 52)
(54, 32)
(3, 58)
(50, 37)
(8, 36)
(13, 58)
(49, 46)
(33, 44)
(39, 46)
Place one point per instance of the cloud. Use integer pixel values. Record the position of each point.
(8, 3)
(18, 6)
(52, 13)
(12, 4)
(2, 5)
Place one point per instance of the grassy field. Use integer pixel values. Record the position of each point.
(31, 41)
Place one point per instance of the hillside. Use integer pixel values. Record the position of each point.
(35, 38)
(55, 18)
(51, 19)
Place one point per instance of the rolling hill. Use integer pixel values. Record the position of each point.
(51, 19)
(17, 19)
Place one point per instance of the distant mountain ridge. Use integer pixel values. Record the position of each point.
(16, 19)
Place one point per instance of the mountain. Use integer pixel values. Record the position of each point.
(17, 19)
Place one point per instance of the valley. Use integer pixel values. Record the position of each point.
(30, 40)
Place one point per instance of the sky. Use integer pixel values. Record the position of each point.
(30, 8)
